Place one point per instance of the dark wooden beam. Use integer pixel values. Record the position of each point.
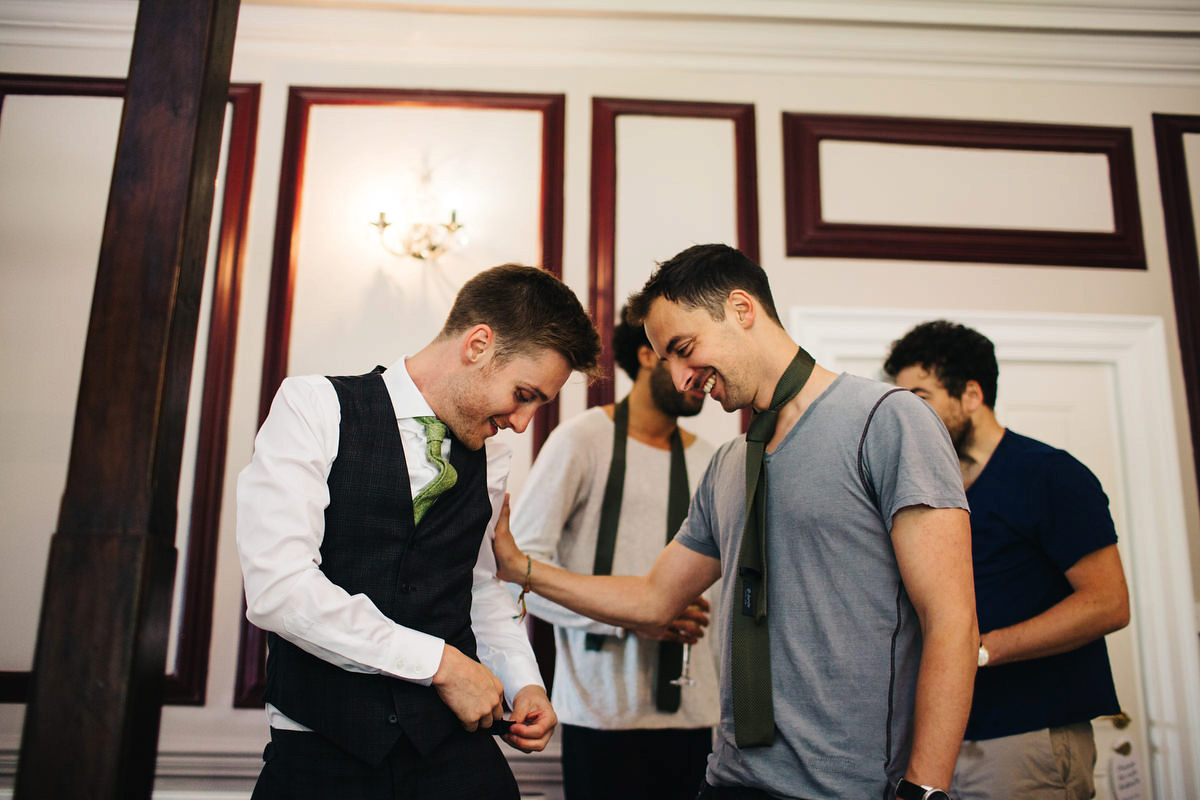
(91, 727)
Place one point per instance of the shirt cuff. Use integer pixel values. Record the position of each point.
(518, 676)
(414, 657)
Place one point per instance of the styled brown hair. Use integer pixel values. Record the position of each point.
(528, 309)
(702, 276)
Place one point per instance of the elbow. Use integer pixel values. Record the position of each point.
(1120, 615)
(1117, 614)
(650, 622)
(654, 619)
(263, 609)
(257, 615)
(662, 619)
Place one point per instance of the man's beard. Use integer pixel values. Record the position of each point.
(962, 437)
(669, 400)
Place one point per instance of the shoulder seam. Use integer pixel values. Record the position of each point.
(862, 439)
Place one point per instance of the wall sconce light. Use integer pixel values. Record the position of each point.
(423, 240)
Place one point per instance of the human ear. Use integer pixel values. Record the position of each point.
(476, 343)
(647, 358)
(972, 396)
(741, 306)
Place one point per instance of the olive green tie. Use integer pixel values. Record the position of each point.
(667, 695)
(750, 656)
(435, 434)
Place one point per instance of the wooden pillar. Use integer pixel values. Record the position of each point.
(91, 726)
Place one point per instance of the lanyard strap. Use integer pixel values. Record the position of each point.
(670, 654)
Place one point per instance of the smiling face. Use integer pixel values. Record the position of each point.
(701, 353)
(503, 394)
(670, 400)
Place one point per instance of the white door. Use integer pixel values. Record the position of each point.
(1072, 406)
(1097, 387)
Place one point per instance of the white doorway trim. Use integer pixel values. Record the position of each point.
(1135, 349)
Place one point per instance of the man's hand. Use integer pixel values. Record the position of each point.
(533, 720)
(472, 692)
(687, 628)
(510, 561)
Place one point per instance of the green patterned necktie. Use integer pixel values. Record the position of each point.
(435, 434)
(750, 657)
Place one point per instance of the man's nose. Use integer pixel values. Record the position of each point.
(681, 375)
(519, 420)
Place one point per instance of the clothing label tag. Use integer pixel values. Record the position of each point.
(1125, 772)
(748, 600)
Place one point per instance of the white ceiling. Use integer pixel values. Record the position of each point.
(1108, 41)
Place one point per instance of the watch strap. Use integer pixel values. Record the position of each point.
(907, 790)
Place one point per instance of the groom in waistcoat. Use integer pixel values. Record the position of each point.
(364, 527)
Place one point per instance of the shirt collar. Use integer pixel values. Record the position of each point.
(406, 398)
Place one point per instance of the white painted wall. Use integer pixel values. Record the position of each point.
(1040, 66)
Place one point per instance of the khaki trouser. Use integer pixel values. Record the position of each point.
(1050, 764)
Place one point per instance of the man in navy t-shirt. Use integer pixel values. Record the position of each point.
(1048, 580)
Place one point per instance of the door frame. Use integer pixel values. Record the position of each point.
(1153, 520)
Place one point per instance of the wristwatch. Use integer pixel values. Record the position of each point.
(907, 790)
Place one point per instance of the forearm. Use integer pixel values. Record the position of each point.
(561, 617)
(945, 684)
(347, 631)
(645, 604)
(1065, 626)
(1098, 605)
(540, 532)
(624, 601)
(502, 643)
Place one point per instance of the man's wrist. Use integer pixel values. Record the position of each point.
(907, 790)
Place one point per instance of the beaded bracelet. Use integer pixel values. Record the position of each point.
(525, 589)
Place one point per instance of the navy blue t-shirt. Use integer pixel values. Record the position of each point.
(1035, 511)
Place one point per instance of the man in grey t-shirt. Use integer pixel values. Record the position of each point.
(868, 588)
(611, 691)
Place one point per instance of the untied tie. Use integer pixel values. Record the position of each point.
(750, 655)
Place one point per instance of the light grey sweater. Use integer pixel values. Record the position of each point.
(556, 519)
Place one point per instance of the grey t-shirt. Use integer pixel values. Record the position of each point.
(845, 639)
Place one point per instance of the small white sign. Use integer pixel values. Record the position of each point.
(1125, 772)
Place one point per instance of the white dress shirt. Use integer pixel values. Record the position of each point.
(281, 501)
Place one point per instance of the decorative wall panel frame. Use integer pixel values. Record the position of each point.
(252, 647)
(186, 685)
(1169, 130)
(602, 266)
(808, 234)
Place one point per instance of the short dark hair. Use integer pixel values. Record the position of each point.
(952, 352)
(528, 309)
(628, 340)
(702, 276)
